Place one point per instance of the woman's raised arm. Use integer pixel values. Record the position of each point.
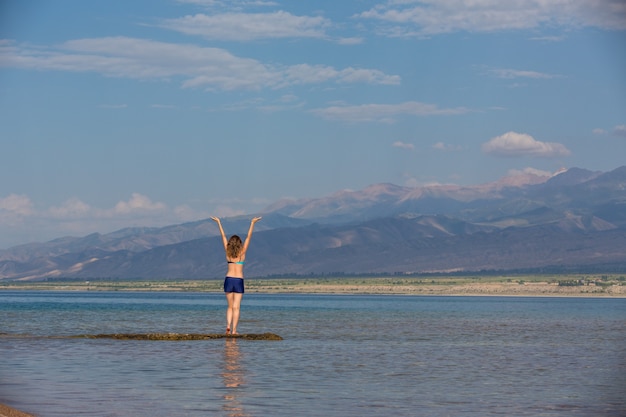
(247, 242)
(219, 224)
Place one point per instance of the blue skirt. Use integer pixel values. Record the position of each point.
(233, 285)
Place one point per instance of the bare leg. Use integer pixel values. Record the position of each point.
(229, 311)
(236, 304)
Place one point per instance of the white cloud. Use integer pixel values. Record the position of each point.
(511, 73)
(548, 38)
(75, 209)
(309, 74)
(21, 222)
(316, 74)
(620, 131)
(288, 98)
(274, 108)
(17, 204)
(431, 17)
(530, 171)
(403, 145)
(411, 182)
(201, 2)
(284, 103)
(384, 112)
(14, 208)
(249, 26)
(199, 67)
(440, 146)
(525, 176)
(72, 208)
(229, 3)
(367, 76)
(137, 203)
(513, 144)
(350, 41)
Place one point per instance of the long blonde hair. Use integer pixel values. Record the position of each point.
(234, 246)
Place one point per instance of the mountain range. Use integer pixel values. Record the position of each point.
(573, 221)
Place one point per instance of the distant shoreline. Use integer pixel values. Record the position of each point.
(532, 285)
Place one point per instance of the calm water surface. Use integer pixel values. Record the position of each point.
(342, 355)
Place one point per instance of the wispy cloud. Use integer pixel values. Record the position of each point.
(283, 103)
(512, 73)
(113, 106)
(75, 217)
(198, 67)
(512, 144)
(233, 4)
(530, 171)
(432, 17)
(138, 206)
(620, 131)
(137, 202)
(440, 146)
(249, 26)
(350, 41)
(526, 176)
(205, 3)
(403, 145)
(316, 74)
(14, 207)
(385, 113)
(548, 38)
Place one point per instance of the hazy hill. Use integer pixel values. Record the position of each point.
(575, 220)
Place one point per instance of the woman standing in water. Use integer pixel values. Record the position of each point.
(233, 283)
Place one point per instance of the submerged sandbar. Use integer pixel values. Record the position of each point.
(181, 336)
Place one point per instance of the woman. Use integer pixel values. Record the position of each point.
(233, 283)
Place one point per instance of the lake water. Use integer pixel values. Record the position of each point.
(341, 356)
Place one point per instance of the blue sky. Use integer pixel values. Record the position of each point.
(156, 112)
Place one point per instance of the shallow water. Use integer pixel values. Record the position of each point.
(341, 355)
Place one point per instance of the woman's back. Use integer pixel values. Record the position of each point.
(235, 268)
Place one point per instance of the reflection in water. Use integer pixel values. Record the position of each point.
(233, 377)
